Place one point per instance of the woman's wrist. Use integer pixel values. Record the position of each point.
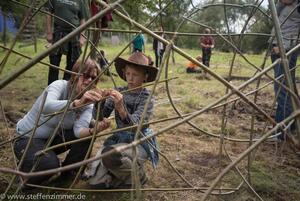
(96, 129)
(76, 103)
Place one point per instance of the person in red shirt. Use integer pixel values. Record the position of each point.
(206, 43)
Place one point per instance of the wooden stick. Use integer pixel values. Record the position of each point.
(104, 98)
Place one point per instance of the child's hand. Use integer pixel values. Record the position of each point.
(117, 98)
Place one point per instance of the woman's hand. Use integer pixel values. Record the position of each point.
(90, 96)
(102, 125)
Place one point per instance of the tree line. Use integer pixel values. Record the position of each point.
(234, 17)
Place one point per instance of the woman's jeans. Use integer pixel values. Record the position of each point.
(284, 104)
(49, 160)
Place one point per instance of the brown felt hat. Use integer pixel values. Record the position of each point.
(139, 60)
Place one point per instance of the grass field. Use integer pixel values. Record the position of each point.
(275, 169)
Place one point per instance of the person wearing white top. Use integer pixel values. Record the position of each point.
(159, 48)
(76, 123)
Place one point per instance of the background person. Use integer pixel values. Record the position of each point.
(74, 12)
(102, 60)
(206, 43)
(290, 28)
(159, 48)
(192, 67)
(138, 43)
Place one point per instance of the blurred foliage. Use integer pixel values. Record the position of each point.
(232, 18)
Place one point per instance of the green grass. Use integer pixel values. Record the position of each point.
(274, 182)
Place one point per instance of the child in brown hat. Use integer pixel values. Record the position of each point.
(112, 171)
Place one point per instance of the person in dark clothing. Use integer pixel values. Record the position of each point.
(159, 48)
(74, 13)
(290, 29)
(206, 43)
(102, 60)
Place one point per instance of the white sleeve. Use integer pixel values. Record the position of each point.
(55, 93)
(83, 121)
